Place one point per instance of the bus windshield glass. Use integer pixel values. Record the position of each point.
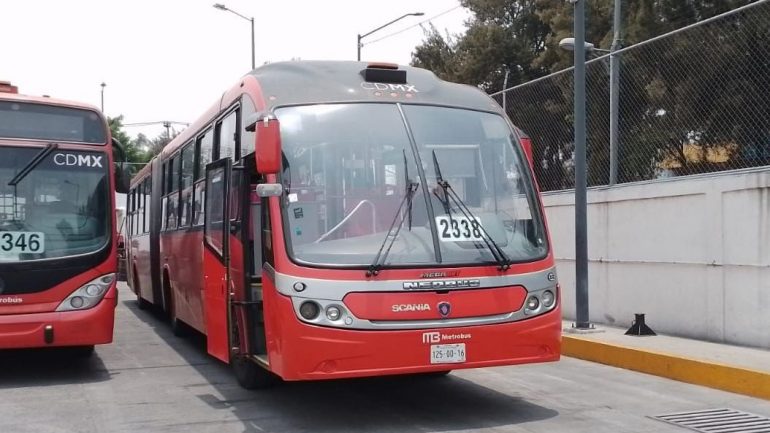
(22, 120)
(355, 172)
(59, 209)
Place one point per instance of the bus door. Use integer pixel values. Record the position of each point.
(245, 294)
(216, 257)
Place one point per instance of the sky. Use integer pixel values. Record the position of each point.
(169, 60)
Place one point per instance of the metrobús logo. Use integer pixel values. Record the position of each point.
(10, 300)
(438, 337)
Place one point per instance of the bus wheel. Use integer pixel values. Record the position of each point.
(250, 375)
(436, 373)
(178, 328)
(141, 303)
(82, 351)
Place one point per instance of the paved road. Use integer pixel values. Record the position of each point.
(150, 381)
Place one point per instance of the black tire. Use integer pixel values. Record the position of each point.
(178, 328)
(251, 375)
(436, 373)
(82, 351)
(141, 303)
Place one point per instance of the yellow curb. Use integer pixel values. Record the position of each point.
(705, 373)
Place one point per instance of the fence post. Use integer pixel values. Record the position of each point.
(615, 93)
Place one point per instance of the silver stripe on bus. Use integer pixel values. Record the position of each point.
(331, 293)
(337, 289)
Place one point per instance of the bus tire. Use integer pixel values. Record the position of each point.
(437, 373)
(250, 375)
(83, 351)
(141, 303)
(178, 328)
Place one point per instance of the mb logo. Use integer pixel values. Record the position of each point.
(431, 337)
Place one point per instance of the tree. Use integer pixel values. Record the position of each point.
(133, 155)
(676, 93)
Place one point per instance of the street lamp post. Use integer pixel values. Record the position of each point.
(360, 36)
(222, 7)
(581, 205)
(103, 86)
(581, 184)
(617, 41)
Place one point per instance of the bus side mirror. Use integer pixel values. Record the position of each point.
(268, 142)
(122, 179)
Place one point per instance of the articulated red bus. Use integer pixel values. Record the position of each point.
(57, 224)
(337, 219)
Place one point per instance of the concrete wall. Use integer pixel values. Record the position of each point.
(692, 253)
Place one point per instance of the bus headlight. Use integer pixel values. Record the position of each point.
(533, 303)
(94, 290)
(548, 299)
(77, 302)
(309, 310)
(87, 295)
(333, 313)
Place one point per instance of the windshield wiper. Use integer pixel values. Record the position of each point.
(504, 263)
(32, 164)
(390, 237)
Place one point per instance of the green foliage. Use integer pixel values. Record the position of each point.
(675, 93)
(141, 149)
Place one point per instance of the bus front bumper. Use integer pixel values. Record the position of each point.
(307, 352)
(57, 329)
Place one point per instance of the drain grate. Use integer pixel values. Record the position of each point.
(718, 421)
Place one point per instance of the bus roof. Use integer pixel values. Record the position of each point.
(318, 82)
(315, 82)
(47, 100)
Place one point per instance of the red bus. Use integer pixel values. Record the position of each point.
(341, 219)
(57, 224)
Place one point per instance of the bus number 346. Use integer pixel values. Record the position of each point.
(21, 242)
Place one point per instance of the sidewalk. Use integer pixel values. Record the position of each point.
(730, 368)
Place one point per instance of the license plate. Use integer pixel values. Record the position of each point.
(22, 242)
(458, 228)
(447, 353)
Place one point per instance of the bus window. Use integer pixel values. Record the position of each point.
(205, 150)
(227, 136)
(172, 207)
(147, 206)
(247, 138)
(186, 185)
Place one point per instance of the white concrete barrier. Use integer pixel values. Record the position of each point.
(692, 253)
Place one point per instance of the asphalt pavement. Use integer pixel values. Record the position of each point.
(150, 381)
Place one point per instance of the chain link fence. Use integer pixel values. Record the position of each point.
(696, 100)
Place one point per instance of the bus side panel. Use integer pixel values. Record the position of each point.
(183, 259)
(273, 330)
(215, 294)
(141, 256)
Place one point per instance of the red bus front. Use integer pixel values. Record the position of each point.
(57, 254)
(408, 238)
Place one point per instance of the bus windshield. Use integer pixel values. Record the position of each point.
(49, 122)
(59, 209)
(355, 172)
